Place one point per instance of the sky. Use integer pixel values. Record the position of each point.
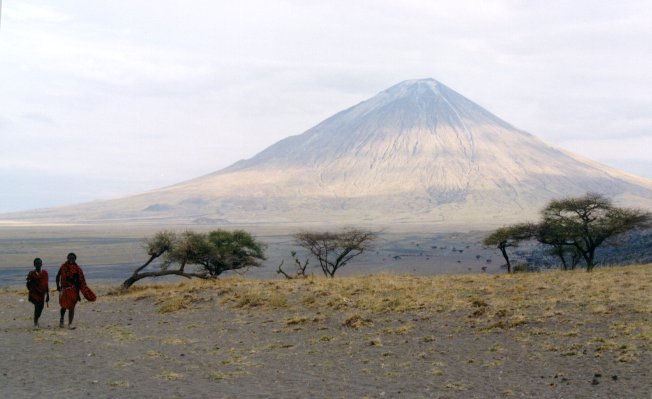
(101, 100)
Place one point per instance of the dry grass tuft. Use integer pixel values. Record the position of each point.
(228, 375)
(250, 299)
(169, 304)
(455, 386)
(293, 321)
(403, 329)
(513, 297)
(356, 321)
(174, 341)
(170, 376)
(552, 310)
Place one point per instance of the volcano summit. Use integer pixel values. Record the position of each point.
(417, 152)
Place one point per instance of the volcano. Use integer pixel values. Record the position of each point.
(417, 152)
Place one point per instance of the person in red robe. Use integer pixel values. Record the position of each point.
(39, 291)
(70, 280)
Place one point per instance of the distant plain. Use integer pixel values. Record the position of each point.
(109, 253)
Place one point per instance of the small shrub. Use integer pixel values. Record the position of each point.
(356, 321)
(250, 299)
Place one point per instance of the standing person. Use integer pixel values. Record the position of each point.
(39, 291)
(70, 280)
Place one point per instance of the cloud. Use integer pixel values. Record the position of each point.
(39, 118)
(26, 12)
(635, 148)
(627, 153)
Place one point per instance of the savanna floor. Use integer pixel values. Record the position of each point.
(537, 335)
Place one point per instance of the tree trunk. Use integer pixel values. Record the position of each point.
(138, 276)
(560, 252)
(503, 249)
(589, 261)
(128, 282)
(151, 258)
(281, 271)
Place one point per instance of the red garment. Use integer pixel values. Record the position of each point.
(69, 295)
(88, 293)
(37, 284)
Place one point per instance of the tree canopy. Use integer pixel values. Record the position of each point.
(214, 253)
(586, 222)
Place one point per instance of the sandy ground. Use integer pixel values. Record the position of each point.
(350, 338)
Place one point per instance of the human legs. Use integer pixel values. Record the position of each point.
(71, 315)
(38, 309)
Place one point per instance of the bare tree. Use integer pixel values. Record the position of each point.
(300, 267)
(334, 250)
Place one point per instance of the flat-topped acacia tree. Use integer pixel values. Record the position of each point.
(585, 223)
(215, 252)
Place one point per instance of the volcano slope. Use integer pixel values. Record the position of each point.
(417, 152)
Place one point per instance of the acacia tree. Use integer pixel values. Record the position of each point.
(586, 222)
(509, 236)
(553, 235)
(231, 250)
(215, 252)
(162, 243)
(334, 250)
(569, 256)
(189, 249)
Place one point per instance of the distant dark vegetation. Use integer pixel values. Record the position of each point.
(577, 232)
(628, 249)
